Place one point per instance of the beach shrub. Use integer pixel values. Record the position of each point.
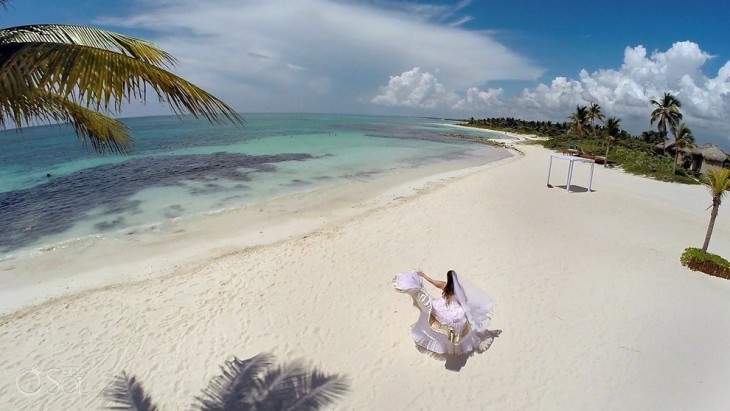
(632, 155)
(708, 263)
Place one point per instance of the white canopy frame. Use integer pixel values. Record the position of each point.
(572, 160)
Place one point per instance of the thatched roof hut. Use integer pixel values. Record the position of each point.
(712, 157)
(698, 159)
(712, 152)
(688, 150)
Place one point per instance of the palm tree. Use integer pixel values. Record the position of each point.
(651, 137)
(250, 384)
(595, 113)
(61, 73)
(579, 120)
(666, 114)
(718, 182)
(683, 138)
(613, 129)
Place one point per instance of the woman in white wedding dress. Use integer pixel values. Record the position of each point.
(456, 322)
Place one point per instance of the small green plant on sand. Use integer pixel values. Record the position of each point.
(708, 263)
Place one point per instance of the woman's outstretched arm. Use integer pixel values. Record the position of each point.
(438, 284)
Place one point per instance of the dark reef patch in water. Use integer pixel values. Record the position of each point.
(296, 183)
(118, 222)
(174, 211)
(54, 206)
(127, 207)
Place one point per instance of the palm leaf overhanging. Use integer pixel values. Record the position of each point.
(64, 73)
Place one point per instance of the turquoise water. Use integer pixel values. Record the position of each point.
(52, 189)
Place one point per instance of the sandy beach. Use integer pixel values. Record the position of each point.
(596, 311)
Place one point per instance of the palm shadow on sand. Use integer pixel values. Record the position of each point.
(258, 383)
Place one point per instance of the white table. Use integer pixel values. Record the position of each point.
(572, 160)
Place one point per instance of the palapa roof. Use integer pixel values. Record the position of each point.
(685, 150)
(690, 150)
(712, 152)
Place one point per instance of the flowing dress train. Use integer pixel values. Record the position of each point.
(457, 325)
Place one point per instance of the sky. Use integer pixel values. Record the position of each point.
(535, 60)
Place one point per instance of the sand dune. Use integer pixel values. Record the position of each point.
(595, 309)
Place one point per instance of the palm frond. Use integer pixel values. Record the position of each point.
(236, 386)
(87, 36)
(718, 182)
(104, 133)
(105, 79)
(64, 73)
(125, 393)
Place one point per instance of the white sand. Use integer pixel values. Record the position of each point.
(596, 311)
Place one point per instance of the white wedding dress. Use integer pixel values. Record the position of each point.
(457, 325)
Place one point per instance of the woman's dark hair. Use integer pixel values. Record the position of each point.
(449, 289)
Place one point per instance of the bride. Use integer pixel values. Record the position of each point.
(456, 322)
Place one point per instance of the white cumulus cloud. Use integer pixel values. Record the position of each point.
(624, 92)
(415, 88)
(419, 89)
(319, 55)
(364, 55)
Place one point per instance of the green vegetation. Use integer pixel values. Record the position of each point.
(698, 260)
(633, 154)
(696, 254)
(718, 182)
(607, 143)
(666, 115)
(514, 125)
(683, 138)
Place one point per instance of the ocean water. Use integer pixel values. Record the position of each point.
(55, 191)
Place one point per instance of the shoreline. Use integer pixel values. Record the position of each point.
(595, 308)
(292, 215)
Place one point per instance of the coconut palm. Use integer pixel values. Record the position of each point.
(80, 75)
(718, 182)
(667, 115)
(595, 113)
(252, 384)
(579, 120)
(613, 129)
(683, 138)
(651, 137)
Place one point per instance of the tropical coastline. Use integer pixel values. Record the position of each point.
(190, 220)
(187, 202)
(595, 312)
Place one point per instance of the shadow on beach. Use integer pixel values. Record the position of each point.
(455, 362)
(573, 188)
